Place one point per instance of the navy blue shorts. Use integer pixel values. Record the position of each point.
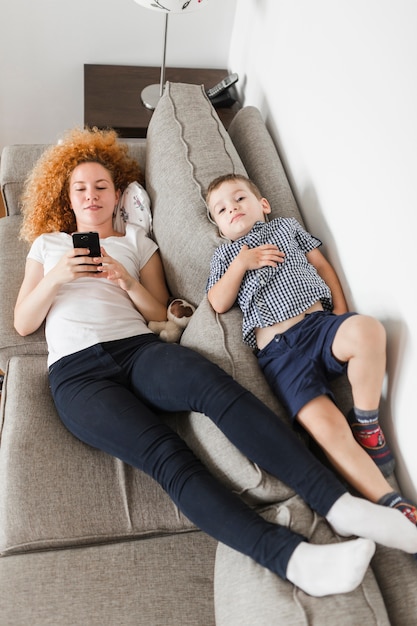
(299, 364)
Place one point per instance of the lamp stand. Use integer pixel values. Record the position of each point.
(151, 94)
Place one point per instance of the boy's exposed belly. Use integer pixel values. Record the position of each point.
(265, 335)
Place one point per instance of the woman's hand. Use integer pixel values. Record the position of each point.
(76, 264)
(114, 271)
(149, 294)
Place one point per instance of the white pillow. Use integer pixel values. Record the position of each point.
(134, 206)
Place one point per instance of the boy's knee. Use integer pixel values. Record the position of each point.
(366, 330)
(373, 331)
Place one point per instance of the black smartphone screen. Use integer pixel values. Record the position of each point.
(87, 240)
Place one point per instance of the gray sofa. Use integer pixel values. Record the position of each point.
(85, 539)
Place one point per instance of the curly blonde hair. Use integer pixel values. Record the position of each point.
(46, 205)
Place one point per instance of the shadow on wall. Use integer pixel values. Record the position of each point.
(397, 339)
(309, 205)
(317, 225)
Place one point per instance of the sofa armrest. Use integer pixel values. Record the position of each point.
(15, 165)
(13, 253)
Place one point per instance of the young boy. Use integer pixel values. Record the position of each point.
(295, 317)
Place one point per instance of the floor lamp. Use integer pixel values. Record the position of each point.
(152, 93)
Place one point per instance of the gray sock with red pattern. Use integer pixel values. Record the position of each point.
(369, 435)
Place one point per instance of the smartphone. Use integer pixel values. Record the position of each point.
(87, 240)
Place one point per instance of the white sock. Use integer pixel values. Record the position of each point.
(322, 570)
(350, 515)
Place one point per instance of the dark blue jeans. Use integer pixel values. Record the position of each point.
(107, 396)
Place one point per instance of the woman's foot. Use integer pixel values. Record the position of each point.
(323, 570)
(350, 515)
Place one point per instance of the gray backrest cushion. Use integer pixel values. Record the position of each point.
(263, 165)
(187, 146)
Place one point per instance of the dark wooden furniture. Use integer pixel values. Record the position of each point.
(112, 95)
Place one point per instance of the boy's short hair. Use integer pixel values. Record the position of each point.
(225, 178)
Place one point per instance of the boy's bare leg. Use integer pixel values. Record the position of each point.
(361, 342)
(351, 515)
(328, 426)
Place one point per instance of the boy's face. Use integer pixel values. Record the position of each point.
(235, 208)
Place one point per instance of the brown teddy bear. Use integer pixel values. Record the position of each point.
(179, 314)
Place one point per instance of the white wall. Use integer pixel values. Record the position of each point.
(44, 45)
(336, 83)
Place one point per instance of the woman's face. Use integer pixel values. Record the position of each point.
(92, 195)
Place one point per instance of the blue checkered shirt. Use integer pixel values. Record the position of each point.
(274, 294)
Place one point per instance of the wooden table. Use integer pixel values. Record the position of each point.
(112, 95)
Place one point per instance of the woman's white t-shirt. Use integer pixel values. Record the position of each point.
(92, 310)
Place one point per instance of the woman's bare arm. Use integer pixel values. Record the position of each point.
(38, 291)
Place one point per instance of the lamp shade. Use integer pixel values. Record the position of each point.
(172, 6)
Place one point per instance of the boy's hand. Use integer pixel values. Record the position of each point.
(223, 294)
(255, 258)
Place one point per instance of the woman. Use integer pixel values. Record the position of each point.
(109, 375)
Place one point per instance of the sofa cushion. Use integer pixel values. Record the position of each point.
(56, 491)
(160, 581)
(246, 593)
(187, 146)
